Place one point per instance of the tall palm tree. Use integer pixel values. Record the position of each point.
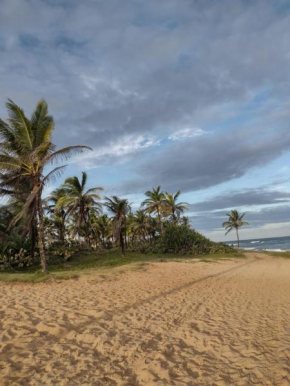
(155, 203)
(235, 221)
(174, 208)
(119, 208)
(78, 201)
(25, 150)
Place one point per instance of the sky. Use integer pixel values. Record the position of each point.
(192, 95)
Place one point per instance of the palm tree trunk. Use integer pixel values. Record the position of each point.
(103, 239)
(237, 231)
(174, 217)
(62, 227)
(122, 244)
(61, 233)
(125, 236)
(160, 222)
(33, 239)
(41, 234)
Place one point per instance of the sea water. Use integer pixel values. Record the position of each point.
(273, 244)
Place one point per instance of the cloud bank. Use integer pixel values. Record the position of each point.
(188, 94)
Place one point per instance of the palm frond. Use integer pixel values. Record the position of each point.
(66, 152)
(25, 209)
(65, 201)
(20, 124)
(42, 124)
(92, 190)
(84, 180)
(228, 231)
(54, 174)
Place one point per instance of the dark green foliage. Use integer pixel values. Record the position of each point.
(61, 252)
(15, 253)
(183, 240)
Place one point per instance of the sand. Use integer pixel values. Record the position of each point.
(165, 323)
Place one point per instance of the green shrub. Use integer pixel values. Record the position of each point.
(183, 240)
(15, 259)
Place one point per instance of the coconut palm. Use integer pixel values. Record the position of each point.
(59, 214)
(104, 228)
(235, 221)
(78, 201)
(140, 224)
(119, 208)
(185, 221)
(155, 203)
(25, 150)
(174, 208)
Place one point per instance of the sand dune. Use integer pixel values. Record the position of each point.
(176, 323)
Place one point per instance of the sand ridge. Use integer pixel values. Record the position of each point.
(171, 323)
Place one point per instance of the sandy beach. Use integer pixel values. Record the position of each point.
(166, 323)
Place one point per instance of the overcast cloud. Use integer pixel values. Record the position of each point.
(188, 94)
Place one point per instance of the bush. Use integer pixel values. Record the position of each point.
(61, 251)
(15, 259)
(181, 239)
(15, 252)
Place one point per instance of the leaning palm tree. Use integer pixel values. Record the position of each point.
(25, 150)
(155, 203)
(119, 208)
(78, 201)
(235, 221)
(174, 208)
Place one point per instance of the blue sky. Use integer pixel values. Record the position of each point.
(189, 94)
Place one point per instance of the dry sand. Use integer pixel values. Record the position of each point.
(174, 323)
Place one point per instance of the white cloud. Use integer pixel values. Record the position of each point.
(119, 151)
(94, 83)
(188, 132)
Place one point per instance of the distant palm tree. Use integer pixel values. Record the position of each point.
(174, 208)
(235, 221)
(60, 213)
(141, 224)
(78, 202)
(103, 225)
(25, 150)
(155, 204)
(185, 221)
(120, 208)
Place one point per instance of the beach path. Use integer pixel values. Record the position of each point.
(163, 323)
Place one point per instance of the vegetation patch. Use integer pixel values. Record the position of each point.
(75, 228)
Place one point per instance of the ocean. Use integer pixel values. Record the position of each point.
(274, 244)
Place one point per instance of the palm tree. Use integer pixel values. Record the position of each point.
(174, 208)
(25, 150)
(141, 224)
(59, 214)
(103, 225)
(185, 221)
(119, 208)
(235, 221)
(155, 203)
(78, 201)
